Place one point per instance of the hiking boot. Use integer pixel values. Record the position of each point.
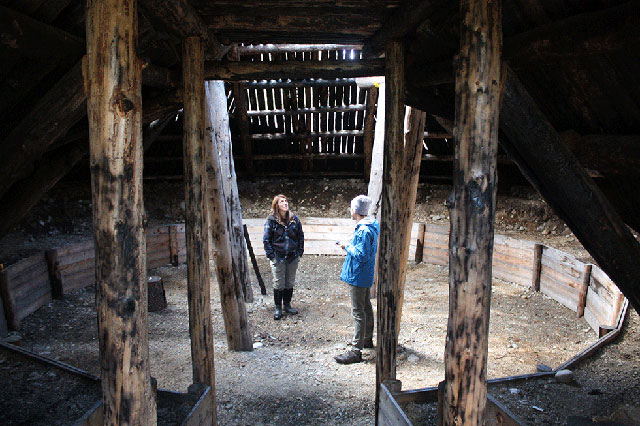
(349, 357)
(278, 313)
(289, 310)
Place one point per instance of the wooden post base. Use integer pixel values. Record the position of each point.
(157, 298)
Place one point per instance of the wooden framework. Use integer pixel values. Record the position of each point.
(310, 122)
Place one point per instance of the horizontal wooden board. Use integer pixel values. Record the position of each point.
(75, 257)
(77, 282)
(37, 291)
(25, 264)
(79, 247)
(35, 305)
(563, 294)
(33, 273)
(20, 291)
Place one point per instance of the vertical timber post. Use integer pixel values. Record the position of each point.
(240, 92)
(234, 310)
(472, 212)
(390, 227)
(113, 83)
(407, 162)
(369, 127)
(196, 229)
(220, 130)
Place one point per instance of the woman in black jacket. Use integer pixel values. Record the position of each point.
(284, 245)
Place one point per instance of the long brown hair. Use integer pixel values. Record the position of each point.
(275, 211)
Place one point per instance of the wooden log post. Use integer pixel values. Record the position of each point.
(374, 190)
(582, 296)
(254, 262)
(219, 119)
(234, 310)
(114, 104)
(196, 234)
(407, 164)
(390, 227)
(472, 212)
(53, 265)
(537, 267)
(369, 127)
(157, 297)
(240, 92)
(420, 244)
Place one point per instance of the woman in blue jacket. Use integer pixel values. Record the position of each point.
(357, 271)
(284, 245)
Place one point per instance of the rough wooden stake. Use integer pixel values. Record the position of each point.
(113, 83)
(196, 230)
(472, 212)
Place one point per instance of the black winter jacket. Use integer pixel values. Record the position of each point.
(283, 242)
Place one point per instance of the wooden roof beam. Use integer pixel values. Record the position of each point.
(236, 71)
(404, 20)
(178, 17)
(280, 48)
(23, 36)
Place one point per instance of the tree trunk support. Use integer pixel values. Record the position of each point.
(472, 212)
(234, 310)
(196, 231)
(219, 119)
(390, 227)
(113, 85)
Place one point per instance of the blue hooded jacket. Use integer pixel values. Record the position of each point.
(359, 266)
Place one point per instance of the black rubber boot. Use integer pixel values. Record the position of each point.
(287, 295)
(277, 301)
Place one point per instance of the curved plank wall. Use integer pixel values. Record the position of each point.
(584, 288)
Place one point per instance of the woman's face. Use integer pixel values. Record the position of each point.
(283, 206)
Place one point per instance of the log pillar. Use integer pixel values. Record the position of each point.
(234, 311)
(390, 227)
(196, 231)
(369, 127)
(240, 92)
(407, 164)
(472, 212)
(113, 84)
(219, 120)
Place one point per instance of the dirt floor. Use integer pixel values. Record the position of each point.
(290, 378)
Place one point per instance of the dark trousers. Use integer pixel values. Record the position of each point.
(362, 314)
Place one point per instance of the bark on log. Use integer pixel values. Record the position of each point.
(54, 114)
(390, 210)
(548, 164)
(196, 234)
(235, 71)
(114, 101)
(231, 295)
(472, 212)
(219, 119)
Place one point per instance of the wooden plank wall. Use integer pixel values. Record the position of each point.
(275, 133)
(561, 276)
(604, 300)
(27, 285)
